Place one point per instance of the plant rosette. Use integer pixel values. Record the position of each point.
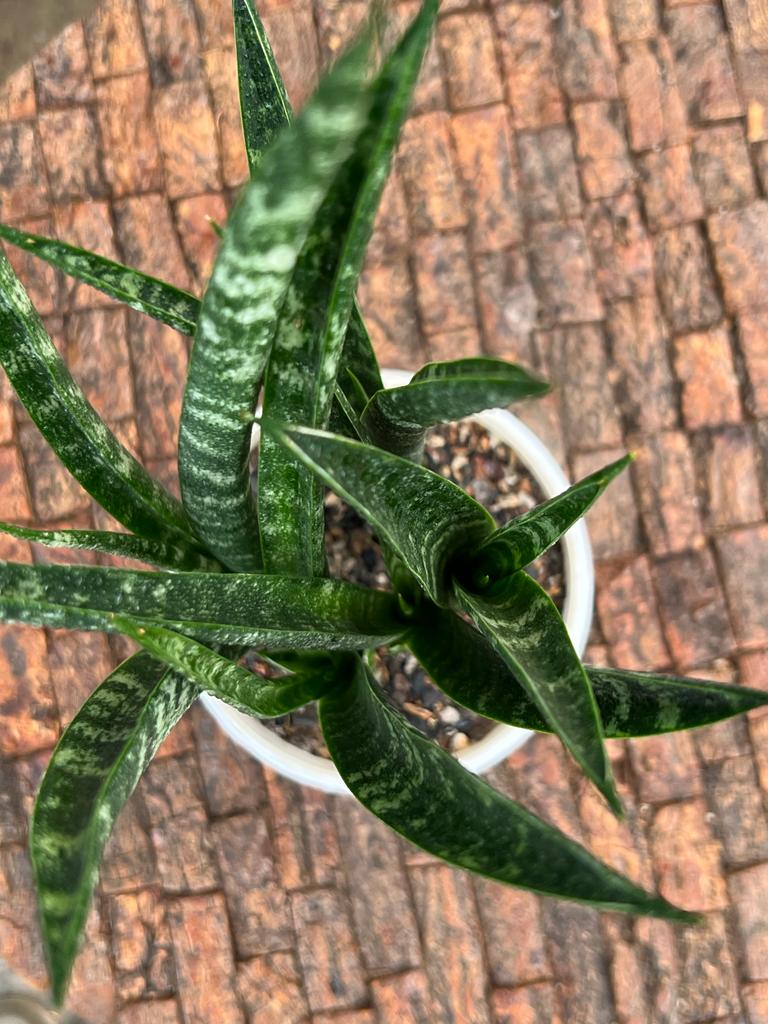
(321, 773)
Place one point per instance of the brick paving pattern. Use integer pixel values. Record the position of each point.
(581, 187)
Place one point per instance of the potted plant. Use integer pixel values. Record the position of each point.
(240, 572)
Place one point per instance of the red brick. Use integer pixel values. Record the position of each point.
(507, 304)
(7, 402)
(578, 354)
(141, 946)
(87, 225)
(62, 69)
(55, 494)
(22, 189)
(740, 817)
(26, 700)
(634, 21)
(654, 108)
(186, 131)
(708, 983)
(645, 387)
(115, 39)
(726, 739)
(454, 344)
(756, 1001)
(17, 96)
(627, 612)
(747, 23)
(390, 232)
(424, 162)
(97, 355)
(525, 32)
(71, 151)
(687, 857)
(148, 240)
(184, 852)
(41, 281)
(627, 975)
(514, 941)
(20, 944)
(723, 168)
(78, 662)
(346, 1017)
(171, 788)
(327, 950)
(704, 72)
(670, 192)
(338, 23)
(131, 157)
(526, 1005)
(743, 558)
(270, 988)
(704, 365)
(204, 960)
(740, 254)
(544, 418)
(128, 864)
(172, 41)
(667, 493)
(13, 491)
(159, 360)
(613, 522)
(685, 279)
(621, 247)
(288, 832)
(153, 1012)
(693, 609)
(443, 283)
(194, 219)
(760, 151)
(752, 70)
(732, 481)
(586, 55)
(291, 31)
(233, 781)
(580, 963)
(215, 21)
(665, 767)
(466, 42)
(753, 336)
(449, 923)
(484, 149)
(620, 844)
(221, 71)
(601, 149)
(541, 779)
(404, 998)
(430, 91)
(550, 183)
(657, 947)
(389, 306)
(562, 273)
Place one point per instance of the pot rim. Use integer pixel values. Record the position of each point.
(579, 574)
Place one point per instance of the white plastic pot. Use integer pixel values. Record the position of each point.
(501, 741)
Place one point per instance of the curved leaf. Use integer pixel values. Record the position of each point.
(424, 794)
(520, 621)
(467, 668)
(427, 519)
(148, 295)
(125, 545)
(256, 258)
(94, 769)
(82, 441)
(396, 418)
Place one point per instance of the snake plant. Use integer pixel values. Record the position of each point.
(240, 566)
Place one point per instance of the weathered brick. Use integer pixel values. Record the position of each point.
(507, 304)
(115, 40)
(753, 336)
(184, 851)
(710, 388)
(389, 306)
(346, 1017)
(23, 192)
(704, 72)
(97, 355)
(620, 844)
(383, 915)
(627, 974)
(541, 780)
(159, 361)
(562, 273)
(578, 354)
(424, 162)
(148, 240)
(708, 982)
(667, 493)
(747, 23)
(525, 32)
(403, 997)
(152, 1012)
(578, 955)
(198, 238)
(129, 863)
(449, 923)
(727, 739)
(514, 940)
(760, 151)
(613, 522)
(89, 226)
(221, 72)
(17, 95)
(172, 40)
(693, 608)
(271, 990)
(601, 148)
(530, 1003)
(131, 158)
(390, 233)
(621, 247)
(333, 975)
(454, 344)
(634, 21)
(550, 183)
(27, 702)
(685, 279)
(752, 69)
(657, 948)
(756, 1001)
(55, 494)
(722, 166)
(77, 662)
(585, 51)
(545, 419)
(204, 960)
(233, 781)
(20, 944)
(740, 254)
(6, 410)
(13, 492)
(216, 24)
(288, 831)
(484, 150)
(670, 192)
(141, 946)
(62, 69)
(645, 386)
(291, 31)
(740, 817)
(444, 283)
(430, 91)
(186, 130)
(652, 101)
(743, 558)
(71, 150)
(466, 42)
(733, 486)
(665, 767)
(687, 857)
(41, 281)
(626, 606)
(337, 25)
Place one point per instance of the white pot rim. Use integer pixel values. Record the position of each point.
(320, 773)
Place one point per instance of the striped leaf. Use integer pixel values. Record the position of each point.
(261, 244)
(125, 545)
(244, 610)
(523, 539)
(424, 794)
(426, 519)
(304, 361)
(520, 621)
(466, 667)
(82, 441)
(157, 299)
(94, 769)
(396, 418)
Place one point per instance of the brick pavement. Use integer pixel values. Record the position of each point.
(582, 187)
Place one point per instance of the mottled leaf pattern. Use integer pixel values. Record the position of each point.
(99, 760)
(396, 418)
(465, 666)
(424, 794)
(426, 519)
(157, 299)
(263, 238)
(523, 625)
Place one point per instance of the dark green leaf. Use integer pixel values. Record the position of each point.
(262, 241)
(94, 769)
(157, 299)
(82, 441)
(249, 609)
(396, 418)
(125, 545)
(427, 519)
(466, 667)
(423, 793)
(304, 361)
(522, 540)
(523, 625)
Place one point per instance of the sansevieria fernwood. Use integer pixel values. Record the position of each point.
(241, 567)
